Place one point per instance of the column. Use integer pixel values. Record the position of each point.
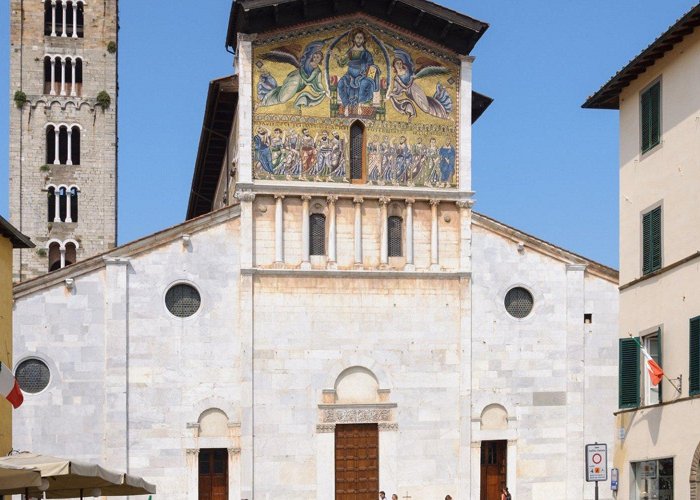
(384, 231)
(69, 198)
(57, 206)
(305, 258)
(358, 230)
(53, 18)
(53, 76)
(332, 232)
(465, 124)
(72, 77)
(410, 266)
(74, 4)
(63, 257)
(279, 229)
(69, 161)
(192, 461)
(63, 77)
(56, 132)
(434, 241)
(65, 8)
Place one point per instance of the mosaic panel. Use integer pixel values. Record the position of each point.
(311, 86)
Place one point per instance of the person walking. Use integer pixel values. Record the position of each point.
(505, 494)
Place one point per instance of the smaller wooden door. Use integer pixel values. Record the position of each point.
(493, 469)
(356, 462)
(213, 474)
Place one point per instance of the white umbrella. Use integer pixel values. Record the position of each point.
(73, 479)
(17, 477)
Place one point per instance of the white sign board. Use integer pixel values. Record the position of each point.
(647, 470)
(596, 462)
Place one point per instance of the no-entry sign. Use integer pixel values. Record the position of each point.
(596, 462)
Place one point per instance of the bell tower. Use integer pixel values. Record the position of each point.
(63, 130)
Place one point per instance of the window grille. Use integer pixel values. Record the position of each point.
(317, 243)
(356, 150)
(519, 302)
(182, 300)
(395, 239)
(32, 375)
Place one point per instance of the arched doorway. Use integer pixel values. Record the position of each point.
(695, 475)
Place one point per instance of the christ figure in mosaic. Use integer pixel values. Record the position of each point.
(356, 86)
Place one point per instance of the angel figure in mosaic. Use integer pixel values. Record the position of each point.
(305, 82)
(406, 94)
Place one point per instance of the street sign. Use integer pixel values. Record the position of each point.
(596, 462)
(614, 476)
(647, 470)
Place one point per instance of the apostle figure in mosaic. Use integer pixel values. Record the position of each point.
(447, 162)
(308, 151)
(337, 156)
(419, 150)
(292, 159)
(432, 164)
(324, 151)
(406, 95)
(356, 86)
(305, 81)
(388, 153)
(374, 163)
(404, 160)
(277, 150)
(263, 155)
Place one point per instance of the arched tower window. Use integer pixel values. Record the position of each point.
(73, 204)
(51, 157)
(64, 18)
(357, 151)
(395, 237)
(63, 145)
(51, 204)
(71, 254)
(54, 256)
(317, 241)
(62, 210)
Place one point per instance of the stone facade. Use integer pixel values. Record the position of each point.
(30, 174)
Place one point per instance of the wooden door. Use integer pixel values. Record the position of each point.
(493, 469)
(213, 474)
(356, 462)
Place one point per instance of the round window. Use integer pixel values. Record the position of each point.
(182, 300)
(519, 302)
(32, 375)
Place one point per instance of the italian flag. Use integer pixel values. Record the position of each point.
(656, 373)
(9, 387)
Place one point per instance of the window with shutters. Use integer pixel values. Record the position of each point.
(628, 380)
(694, 368)
(651, 241)
(650, 117)
(317, 240)
(652, 343)
(357, 151)
(395, 238)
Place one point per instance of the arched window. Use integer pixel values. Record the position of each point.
(48, 75)
(395, 237)
(51, 203)
(317, 241)
(54, 256)
(73, 204)
(63, 145)
(64, 18)
(71, 254)
(357, 151)
(62, 205)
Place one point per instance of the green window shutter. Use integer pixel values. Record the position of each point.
(629, 374)
(651, 241)
(694, 371)
(651, 117)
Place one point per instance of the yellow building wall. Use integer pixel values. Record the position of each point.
(5, 338)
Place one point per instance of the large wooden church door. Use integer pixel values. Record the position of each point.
(356, 462)
(213, 474)
(493, 469)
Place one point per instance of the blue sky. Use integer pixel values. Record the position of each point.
(541, 163)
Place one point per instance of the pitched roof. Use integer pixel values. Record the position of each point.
(444, 26)
(545, 247)
(608, 97)
(10, 232)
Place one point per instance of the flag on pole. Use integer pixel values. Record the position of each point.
(9, 388)
(656, 373)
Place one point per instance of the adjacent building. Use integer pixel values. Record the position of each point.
(10, 239)
(657, 449)
(332, 318)
(63, 130)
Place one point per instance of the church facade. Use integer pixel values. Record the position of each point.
(333, 319)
